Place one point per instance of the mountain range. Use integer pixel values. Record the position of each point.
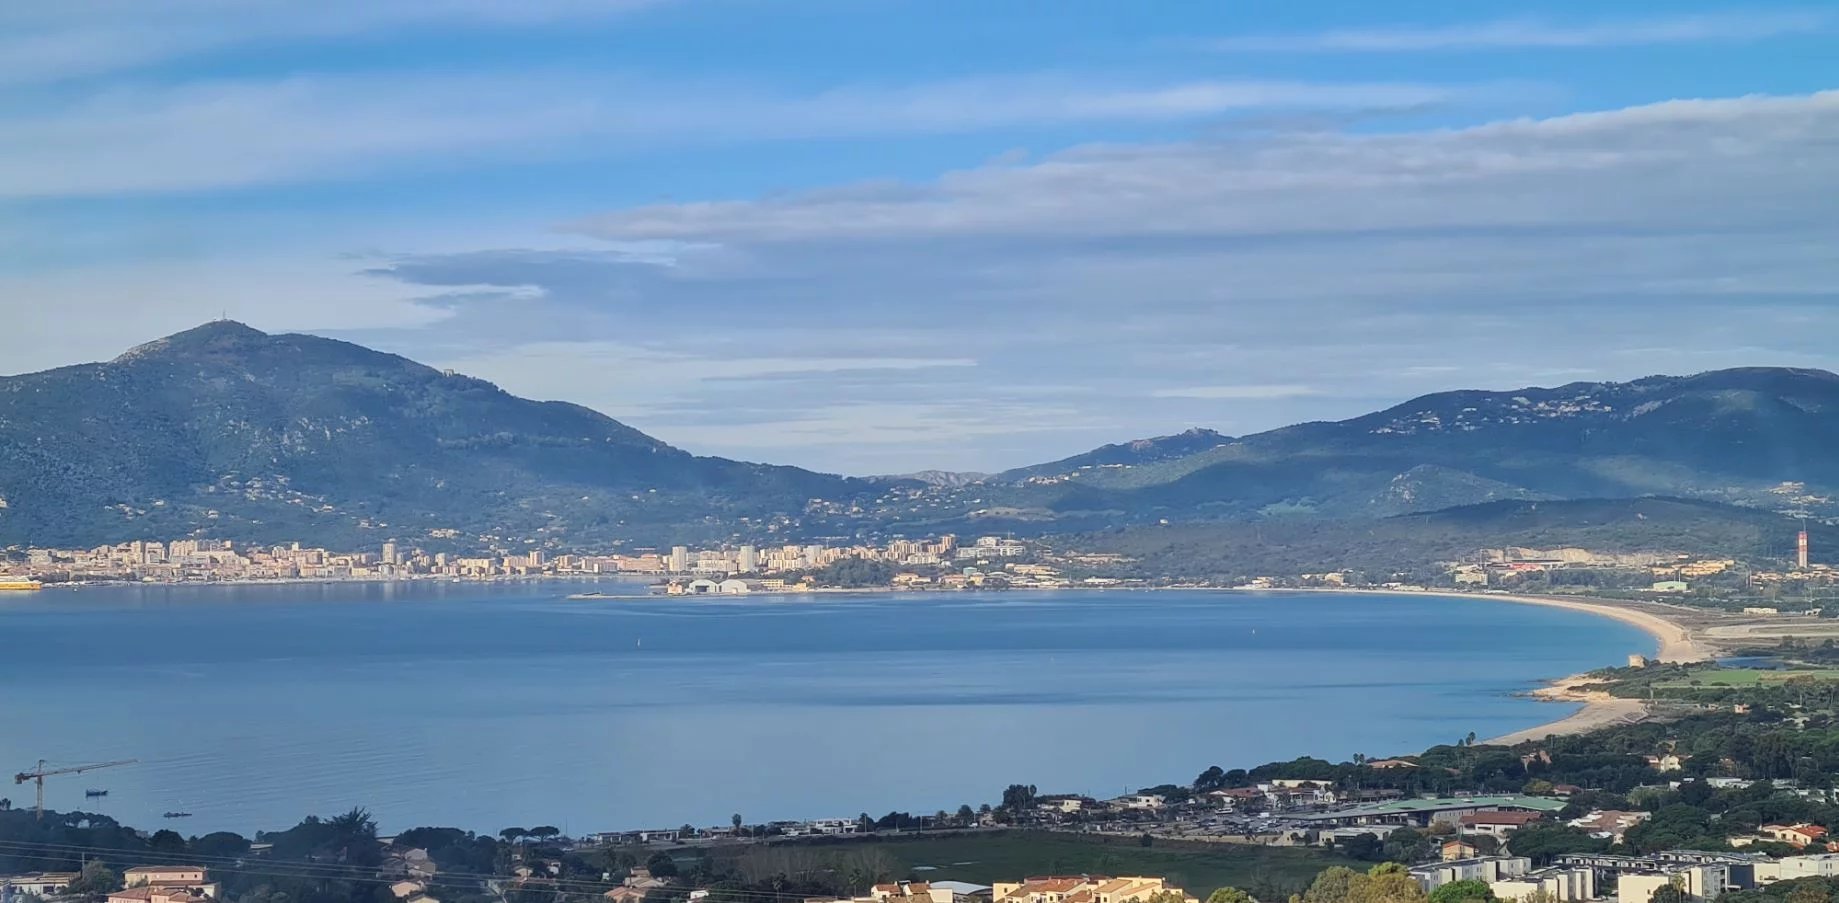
(1753, 436)
(232, 432)
(226, 431)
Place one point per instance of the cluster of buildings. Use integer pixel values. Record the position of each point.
(141, 884)
(1577, 877)
(1665, 573)
(1038, 889)
(220, 560)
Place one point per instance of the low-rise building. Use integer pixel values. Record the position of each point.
(908, 892)
(1487, 869)
(1819, 865)
(1566, 885)
(1697, 882)
(964, 891)
(170, 875)
(154, 893)
(40, 884)
(1081, 889)
(1610, 824)
(1498, 823)
(1799, 836)
(1424, 812)
(1142, 801)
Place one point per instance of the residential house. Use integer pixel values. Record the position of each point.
(410, 865)
(964, 891)
(1455, 850)
(1608, 823)
(154, 893)
(1140, 801)
(169, 875)
(639, 883)
(1295, 794)
(908, 892)
(39, 884)
(1081, 889)
(1237, 797)
(1498, 823)
(1063, 803)
(1798, 836)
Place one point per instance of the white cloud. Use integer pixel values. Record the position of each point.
(1530, 33)
(1752, 158)
(1244, 392)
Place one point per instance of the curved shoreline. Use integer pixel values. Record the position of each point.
(1673, 641)
(1676, 643)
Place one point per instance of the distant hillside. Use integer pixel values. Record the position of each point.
(243, 435)
(1729, 435)
(950, 479)
(229, 432)
(1135, 453)
(1308, 545)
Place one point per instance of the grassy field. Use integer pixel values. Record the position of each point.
(1744, 677)
(1197, 867)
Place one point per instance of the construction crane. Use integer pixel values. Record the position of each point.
(40, 773)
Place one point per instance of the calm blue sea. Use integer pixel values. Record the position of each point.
(491, 705)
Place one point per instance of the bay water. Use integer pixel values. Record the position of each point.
(487, 705)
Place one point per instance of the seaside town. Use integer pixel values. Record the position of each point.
(922, 562)
(941, 562)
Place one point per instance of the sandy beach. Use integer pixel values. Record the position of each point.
(1674, 642)
(1599, 710)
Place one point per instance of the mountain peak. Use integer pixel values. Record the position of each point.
(217, 335)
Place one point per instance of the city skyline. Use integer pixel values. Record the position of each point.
(895, 236)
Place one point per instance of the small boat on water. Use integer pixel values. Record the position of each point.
(593, 597)
(176, 815)
(95, 793)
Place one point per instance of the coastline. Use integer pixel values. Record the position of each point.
(1674, 642)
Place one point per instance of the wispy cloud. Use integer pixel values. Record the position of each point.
(1238, 393)
(210, 135)
(1609, 170)
(1530, 33)
(69, 39)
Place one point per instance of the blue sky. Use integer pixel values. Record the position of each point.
(877, 236)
